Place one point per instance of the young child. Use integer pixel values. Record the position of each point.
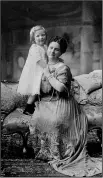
(29, 83)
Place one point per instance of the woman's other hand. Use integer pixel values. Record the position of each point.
(47, 72)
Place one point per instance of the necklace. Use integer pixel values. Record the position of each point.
(53, 63)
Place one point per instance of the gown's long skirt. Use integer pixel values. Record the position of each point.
(61, 127)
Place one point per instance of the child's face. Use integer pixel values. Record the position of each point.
(40, 37)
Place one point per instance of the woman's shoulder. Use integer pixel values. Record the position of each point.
(63, 71)
(62, 65)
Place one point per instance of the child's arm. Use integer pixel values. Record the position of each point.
(42, 63)
(32, 99)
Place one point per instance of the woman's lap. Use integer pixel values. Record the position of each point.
(61, 121)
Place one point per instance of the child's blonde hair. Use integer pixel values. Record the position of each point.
(33, 30)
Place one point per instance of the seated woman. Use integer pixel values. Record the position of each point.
(59, 122)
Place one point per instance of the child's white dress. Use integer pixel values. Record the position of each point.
(30, 79)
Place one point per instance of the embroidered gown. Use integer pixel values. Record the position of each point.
(60, 125)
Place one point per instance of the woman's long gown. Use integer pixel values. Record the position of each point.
(61, 127)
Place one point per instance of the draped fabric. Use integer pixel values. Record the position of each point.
(60, 127)
(29, 83)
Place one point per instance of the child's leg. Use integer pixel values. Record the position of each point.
(30, 107)
(31, 99)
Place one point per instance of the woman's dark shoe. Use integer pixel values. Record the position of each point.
(30, 108)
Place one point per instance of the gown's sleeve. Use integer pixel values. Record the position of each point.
(63, 74)
(34, 53)
(32, 58)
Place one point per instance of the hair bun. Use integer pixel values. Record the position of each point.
(61, 41)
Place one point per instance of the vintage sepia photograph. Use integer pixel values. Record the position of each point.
(51, 88)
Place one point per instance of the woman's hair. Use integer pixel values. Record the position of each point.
(61, 41)
(33, 30)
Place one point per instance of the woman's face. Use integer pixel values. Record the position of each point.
(40, 37)
(53, 51)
